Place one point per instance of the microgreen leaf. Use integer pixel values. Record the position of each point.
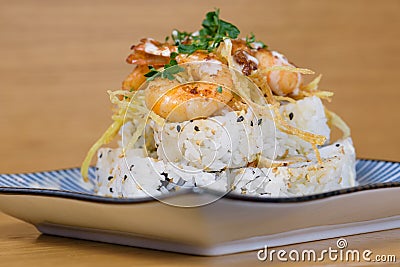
(179, 37)
(252, 43)
(169, 69)
(214, 31)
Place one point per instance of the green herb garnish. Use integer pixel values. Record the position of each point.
(250, 40)
(152, 73)
(214, 31)
(169, 71)
(219, 89)
(179, 37)
(208, 38)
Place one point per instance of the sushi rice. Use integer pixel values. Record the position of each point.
(215, 152)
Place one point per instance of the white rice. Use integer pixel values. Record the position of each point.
(216, 151)
(303, 178)
(307, 114)
(229, 141)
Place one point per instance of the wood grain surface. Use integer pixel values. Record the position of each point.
(58, 58)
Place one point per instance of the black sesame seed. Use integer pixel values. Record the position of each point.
(178, 128)
(125, 177)
(191, 120)
(111, 190)
(101, 155)
(196, 128)
(259, 121)
(291, 115)
(110, 178)
(130, 169)
(240, 119)
(97, 168)
(337, 145)
(251, 123)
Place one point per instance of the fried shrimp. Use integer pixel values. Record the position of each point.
(136, 78)
(249, 59)
(281, 82)
(150, 52)
(207, 90)
(186, 101)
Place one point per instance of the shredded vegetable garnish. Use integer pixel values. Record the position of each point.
(284, 98)
(130, 106)
(106, 138)
(311, 89)
(282, 124)
(335, 120)
(313, 85)
(135, 136)
(321, 94)
(289, 68)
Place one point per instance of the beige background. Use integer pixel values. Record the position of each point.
(58, 58)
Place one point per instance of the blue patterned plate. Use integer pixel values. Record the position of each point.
(60, 203)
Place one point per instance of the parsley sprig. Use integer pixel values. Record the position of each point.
(169, 71)
(251, 42)
(214, 31)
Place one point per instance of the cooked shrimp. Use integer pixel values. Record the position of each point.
(186, 101)
(148, 52)
(151, 52)
(249, 59)
(281, 82)
(208, 91)
(136, 78)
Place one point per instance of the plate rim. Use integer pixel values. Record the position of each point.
(230, 196)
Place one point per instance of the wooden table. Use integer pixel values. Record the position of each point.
(58, 58)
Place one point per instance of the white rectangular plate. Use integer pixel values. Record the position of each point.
(231, 224)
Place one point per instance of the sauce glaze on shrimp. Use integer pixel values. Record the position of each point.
(207, 91)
